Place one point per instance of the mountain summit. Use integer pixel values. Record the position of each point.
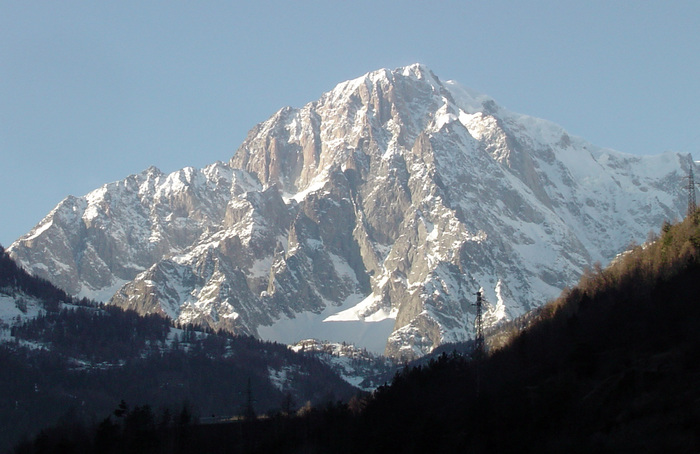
(371, 215)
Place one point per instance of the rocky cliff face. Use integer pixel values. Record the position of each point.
(371, 215)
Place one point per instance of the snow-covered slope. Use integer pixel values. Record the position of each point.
(371, 215)
(356, 366)
(16, 307)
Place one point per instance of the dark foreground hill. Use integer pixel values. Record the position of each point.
(71, 362)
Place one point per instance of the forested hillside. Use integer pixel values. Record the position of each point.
(14, 279)
(73, 361)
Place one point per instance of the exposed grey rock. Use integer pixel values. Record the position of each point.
(393, 197)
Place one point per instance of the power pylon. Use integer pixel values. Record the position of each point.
(478, 353)
(479, 327)
(248, 410)
(692, 206)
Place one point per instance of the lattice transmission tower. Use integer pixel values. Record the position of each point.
(479, 350)
(479, 327)
(692, 205)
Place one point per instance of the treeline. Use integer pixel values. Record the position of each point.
(145, 431)
(105, 333)
(78, 371)
(126, 430)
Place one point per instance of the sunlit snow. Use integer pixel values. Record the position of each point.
(371, 336)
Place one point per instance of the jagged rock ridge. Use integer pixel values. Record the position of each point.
(371, 215)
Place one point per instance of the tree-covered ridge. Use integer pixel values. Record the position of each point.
(213, 372)
(15, 279)
(101, 334)
(76, 359)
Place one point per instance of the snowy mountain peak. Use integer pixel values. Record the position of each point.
(417, 70)
(371, 216)
(384, 107)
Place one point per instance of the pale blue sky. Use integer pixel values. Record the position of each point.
(91, 92)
